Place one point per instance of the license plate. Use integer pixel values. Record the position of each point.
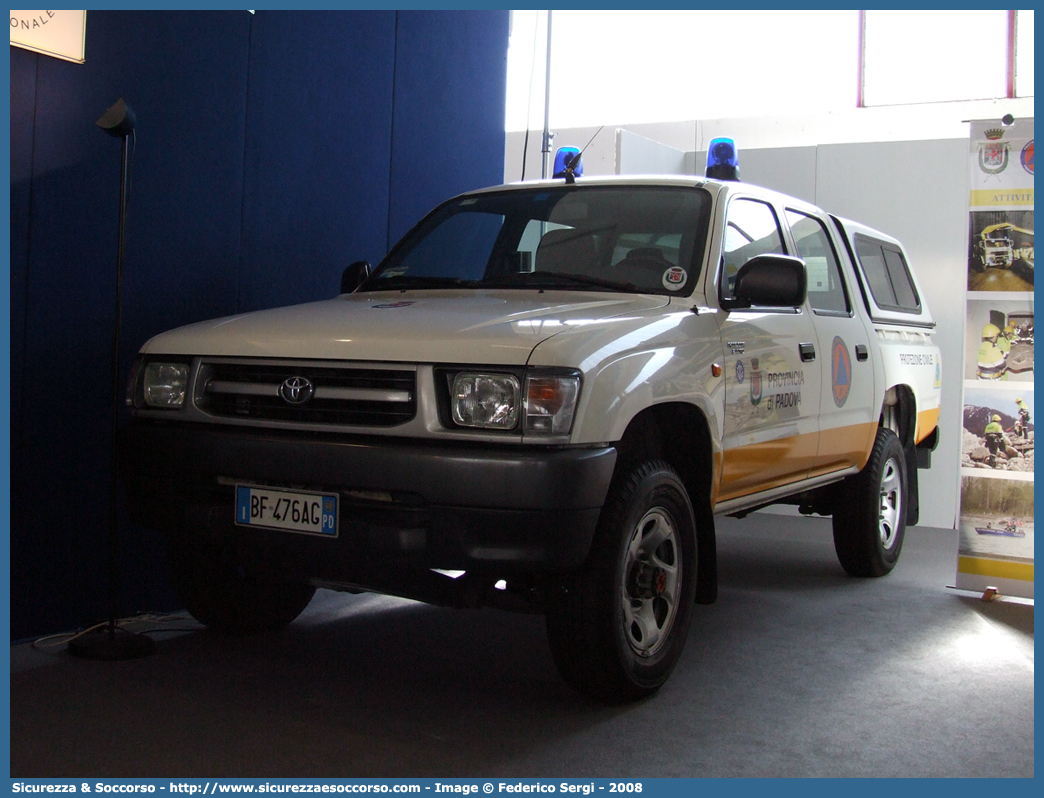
(291, 511)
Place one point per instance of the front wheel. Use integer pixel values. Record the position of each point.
(870, 522)
(221, 595)
(618, 626)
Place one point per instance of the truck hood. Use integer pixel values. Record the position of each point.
(460, 326)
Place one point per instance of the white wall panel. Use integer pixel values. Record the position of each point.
(637, 155)
(917, 191)
(791, 170)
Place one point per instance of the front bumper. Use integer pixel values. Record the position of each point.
(404, 504)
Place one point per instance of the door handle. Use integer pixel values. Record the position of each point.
(808, 352)
(861, 352)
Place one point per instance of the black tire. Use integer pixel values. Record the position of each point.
(618, 625)
(218, 593)
(870, 521)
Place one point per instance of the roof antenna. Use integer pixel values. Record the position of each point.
(568, 163)
(529, 96)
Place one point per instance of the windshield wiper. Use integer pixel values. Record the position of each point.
(405, 281)
(540, 279)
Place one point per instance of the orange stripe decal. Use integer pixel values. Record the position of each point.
(760, 466)
(927, 420)
(842, 447)
(716, 476)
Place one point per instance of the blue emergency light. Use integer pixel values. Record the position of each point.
(564, 162)
(722, 160)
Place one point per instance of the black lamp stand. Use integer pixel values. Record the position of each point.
(111, 642)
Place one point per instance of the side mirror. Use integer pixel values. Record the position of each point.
(353, 275)
(774, 281)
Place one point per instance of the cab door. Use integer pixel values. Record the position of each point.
(772, 369)
(847, 421)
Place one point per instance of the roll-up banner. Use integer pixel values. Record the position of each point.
(996, 515)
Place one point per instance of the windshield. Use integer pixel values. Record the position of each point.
(632, 239)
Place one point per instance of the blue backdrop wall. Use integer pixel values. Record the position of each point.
(271, 151)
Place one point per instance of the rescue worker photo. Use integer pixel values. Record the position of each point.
(998, 431)
(999, 341)
(992, 357)
(1022, 425)
(997, 443)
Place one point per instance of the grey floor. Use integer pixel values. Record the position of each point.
(796, 671)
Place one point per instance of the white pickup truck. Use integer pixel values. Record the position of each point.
(539, 400)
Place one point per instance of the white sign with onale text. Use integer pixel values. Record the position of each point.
(57, 33)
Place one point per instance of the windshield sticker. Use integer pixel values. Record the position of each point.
(740, 372)
(403, 304)
(674, 278)
(840, 371)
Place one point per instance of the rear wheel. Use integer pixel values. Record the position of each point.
(220, 594)
(619, 625)
(870, 522)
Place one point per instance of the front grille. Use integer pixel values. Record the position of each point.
(349, 396)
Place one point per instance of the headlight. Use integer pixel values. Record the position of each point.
(486, 401)
(550, 402)
(163, 384)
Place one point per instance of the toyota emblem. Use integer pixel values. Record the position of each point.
(296, 390)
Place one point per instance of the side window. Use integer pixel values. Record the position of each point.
(905, 296)
(887, 274)
(826, 290)
(751, 229)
